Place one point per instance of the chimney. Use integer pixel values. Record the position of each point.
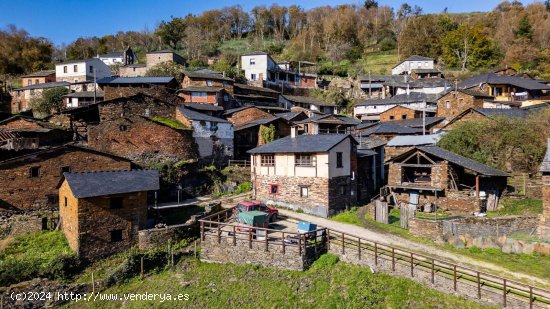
(293, 131)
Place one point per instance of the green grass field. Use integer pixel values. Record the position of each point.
(327, 284)
(379, 62)
(525, 207)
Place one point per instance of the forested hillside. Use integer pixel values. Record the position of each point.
(344, 40)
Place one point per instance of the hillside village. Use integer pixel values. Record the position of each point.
(265, 167)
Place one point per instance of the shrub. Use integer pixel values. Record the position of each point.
(325, 261)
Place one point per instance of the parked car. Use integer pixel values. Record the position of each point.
(246, 206)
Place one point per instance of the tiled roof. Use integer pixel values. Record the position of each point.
(492, 78)
(307, 100)
(44, 86)
(136, 80)
(302, 144)
(92, 184)
(236, 109)
(206, 76)
(193, 115)
(462, 161)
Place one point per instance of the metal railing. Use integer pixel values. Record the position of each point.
(339, 241)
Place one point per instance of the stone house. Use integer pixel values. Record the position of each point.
(544, 223)
(414, 62)
(141, 138)
(81, 70)
(310, 103)
(508, 88)
(102, 212)
(115, 87)
(399, 112)
(29, 181)
(83, 98)
(249, 135)
(21, 98)
(139, 104)
(40, 77)
(432, 175)
(453, 102)
(133, 70)
(370, 110)
(247, 95)
(328, 124)
(477, 114)
(404, 143)
(213, 135)
(161, 56)
(243, 115)
(372, 86)
(216, 96)
(198, 79)
(314, 174)
(31, 133)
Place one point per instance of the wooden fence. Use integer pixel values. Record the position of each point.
(529, 294)
(239, 163)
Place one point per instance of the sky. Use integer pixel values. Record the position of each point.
(63, 21)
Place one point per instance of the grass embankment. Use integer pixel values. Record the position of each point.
(327, 284)
(524, 207)
(174, 124)
(380, 62)
(36, 255)
(537, 265)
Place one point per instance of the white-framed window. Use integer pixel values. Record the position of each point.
(91, 69)
(304, 191)
(252, 61)
(447, 104)
(267, 160)
(253, 76)
(209, 82)
(304, 159)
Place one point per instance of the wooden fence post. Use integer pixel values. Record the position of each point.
(376, 253)
(478, 286)
(202, 230)
(393, 259)
(305, 243)
(412, 265)
(142, 267)
(504, 293)
(343, 243)
(454, 277)
(234, 236)
(530, 297)
(300, 244)
(433, 271)
(219, 234)
(250, 238)
(359, 248)
(266, 249)
(284, 249)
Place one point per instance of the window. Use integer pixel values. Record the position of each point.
(225, 98)
(147, 112)
(267, 160)
(304, 191)
(304, 160)
(84, 87)
(343, 190)
(36, 81)
(91, 69)
(460, 102)
(116, 235)
(339, 160)
(198, 94)
(274, 189)
(65, 70)
(34, 171)
(253, 76)
(392, 117)
(252, 61)
(29, 82)
(65, 203)
(123, 127)
(115, 203)
(208, 82)
(65, 169)
(224, 84)
(447, 104)
(403, 116)
(75, 68)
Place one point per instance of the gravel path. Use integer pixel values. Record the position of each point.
(410, 245)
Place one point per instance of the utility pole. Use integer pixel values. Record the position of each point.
(95, 87)
(424, 119)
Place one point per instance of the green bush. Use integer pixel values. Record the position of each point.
(325, 261)
(153, 260)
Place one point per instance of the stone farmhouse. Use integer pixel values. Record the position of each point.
(81, 70)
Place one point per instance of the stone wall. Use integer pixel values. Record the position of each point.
(27, 223)
(391, 152)
(430, 229)
(544, 223)
(399, 113)
(22, 192)
(137, 105)
(458, 102)
(271, 256)
(140, 139)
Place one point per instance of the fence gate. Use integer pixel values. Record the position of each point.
(407, 212)
(381, 211)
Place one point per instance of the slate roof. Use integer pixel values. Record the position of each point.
(306, 100)
(257, 122)
(78, 61)
(462, 161)
(236, 109)
(492, 78)
(200, 89)
(44, 86)
(112, 55)
(85, 94)
(93, 184)
(206, 76)
(248, 87)
(365, 153)
(44, 124)
(162, 51)
(474, 93)
(371, 142)
(136, 80)
(323, 118)
(289, 115)
(302, 144)
(43, 73)
(414, 140)
(412, 97)
(417, 122)
(502, 112)
(204, 107)
(193, 115)
(426, 70)
(388, 128)
(545, 166)
(417, 58)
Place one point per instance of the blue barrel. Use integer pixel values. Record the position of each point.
(306, 226)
